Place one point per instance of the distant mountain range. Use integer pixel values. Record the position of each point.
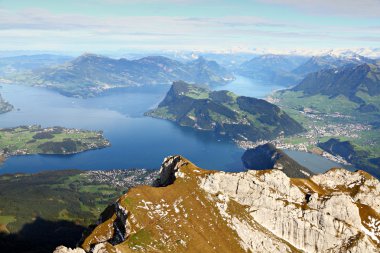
(89, 75)
(27, 63)
(223, 112)
(289, 70)
(4, 105)
(272, 68)
(317, 63)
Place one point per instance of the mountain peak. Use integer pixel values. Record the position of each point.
(90, 55)
(194, 210)
(89, 58)
(176, 167)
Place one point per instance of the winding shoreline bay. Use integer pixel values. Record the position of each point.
(120, 116)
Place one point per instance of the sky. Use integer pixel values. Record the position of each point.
(208, 25)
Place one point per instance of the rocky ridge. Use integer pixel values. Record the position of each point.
(193, 210)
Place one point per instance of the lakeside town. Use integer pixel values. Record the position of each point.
(320, 128)
(124, 178)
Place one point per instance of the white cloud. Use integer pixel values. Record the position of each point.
(364, 8)
(39, 28)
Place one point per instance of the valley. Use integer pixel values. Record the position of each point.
(348, 114)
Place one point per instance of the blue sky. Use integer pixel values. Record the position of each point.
(99, 25)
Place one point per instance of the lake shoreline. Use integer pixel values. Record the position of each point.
(137, 141)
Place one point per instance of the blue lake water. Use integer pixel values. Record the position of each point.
(137, 141)
(243, 86)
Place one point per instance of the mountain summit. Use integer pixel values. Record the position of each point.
(194, 210)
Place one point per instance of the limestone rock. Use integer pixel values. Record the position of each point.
(194, 210)
(63, 249)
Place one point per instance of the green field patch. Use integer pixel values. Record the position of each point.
(100, 189)
(324, 104)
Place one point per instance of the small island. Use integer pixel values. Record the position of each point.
(25, 140)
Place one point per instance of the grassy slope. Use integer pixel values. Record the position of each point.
(297, 100)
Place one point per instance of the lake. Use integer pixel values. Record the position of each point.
(244, 86)
(137, 141)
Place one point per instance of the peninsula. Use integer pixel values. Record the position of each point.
(25, 140)
(224, 113)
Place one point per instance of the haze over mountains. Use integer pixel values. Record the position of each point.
(317, 63)
(272, 68)
(91, 74)
(94, 73)
(27, 63)
(289, 70)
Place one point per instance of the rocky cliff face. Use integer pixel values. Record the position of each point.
(193, 210)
